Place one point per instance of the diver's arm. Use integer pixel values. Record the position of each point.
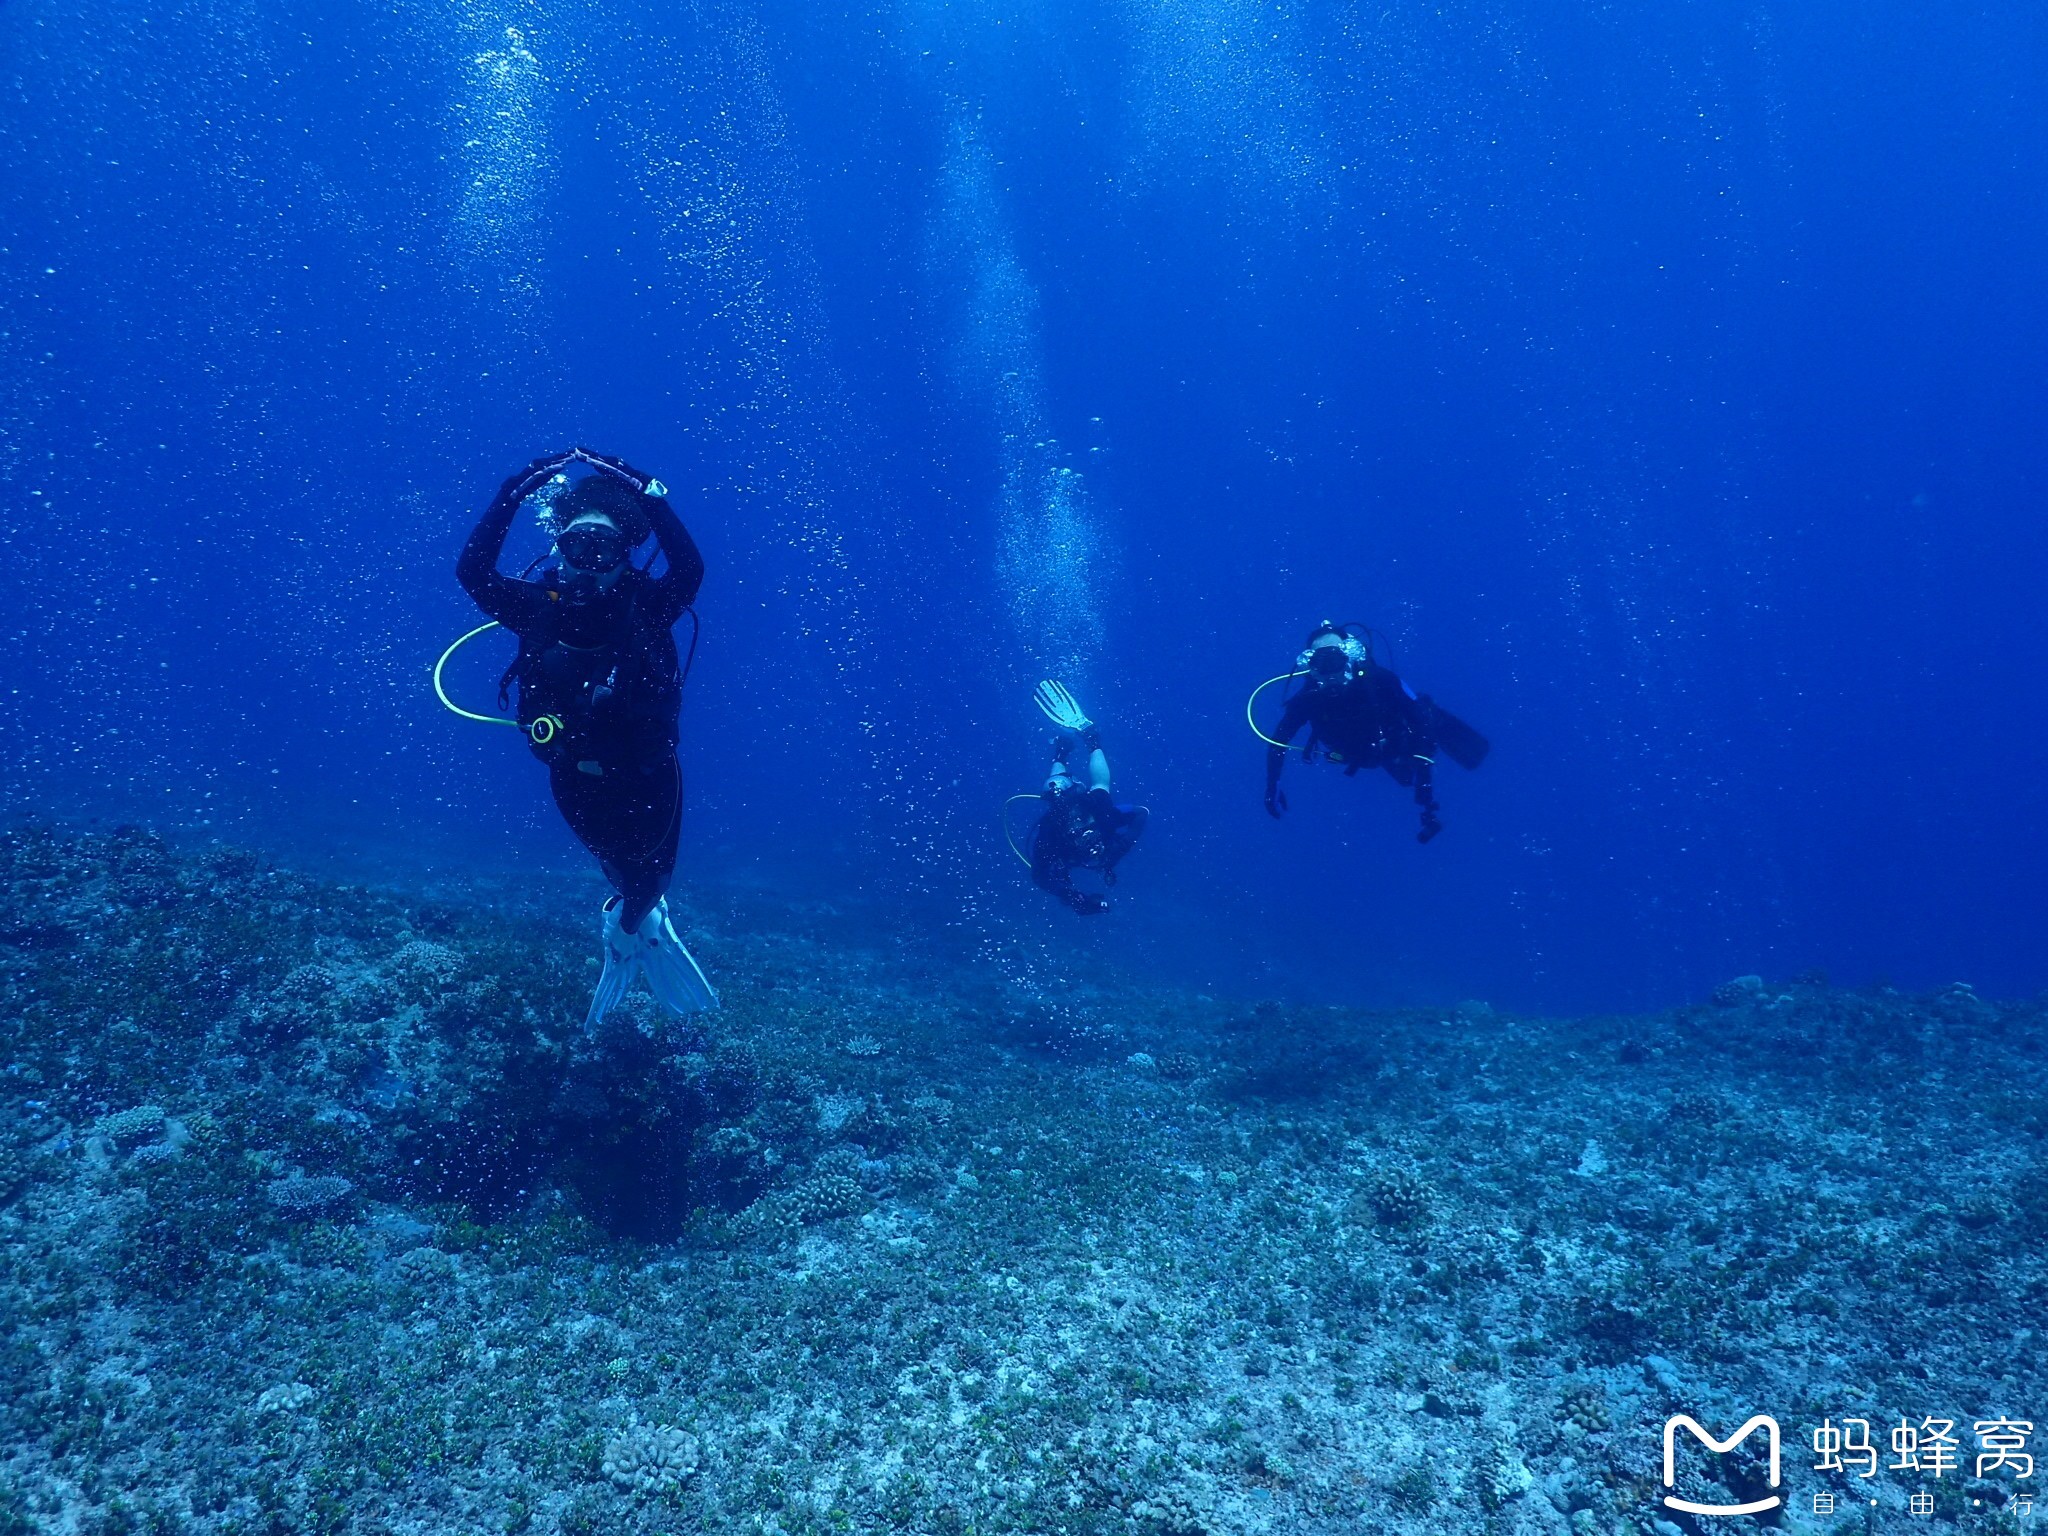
(1122, 838)
(1276, 797)
(677, 588)
(1047, 872)
(685, 574)
(1292, 719)
(1054, 877)
(505, 599)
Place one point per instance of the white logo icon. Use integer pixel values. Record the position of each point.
(1719, 1447)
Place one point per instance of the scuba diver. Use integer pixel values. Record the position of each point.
(1361, 715)
(600, 689)
(1082, 827)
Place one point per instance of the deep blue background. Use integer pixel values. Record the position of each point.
(1666, 381)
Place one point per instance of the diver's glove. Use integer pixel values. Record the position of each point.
(530, 479)
(619, 469)
(1061, 708)
(1276, 803)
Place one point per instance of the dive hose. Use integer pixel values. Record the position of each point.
(1003, 816)
(1249, 718)
(540, 733)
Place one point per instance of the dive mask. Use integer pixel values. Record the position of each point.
(1334, 663)
(594, 547)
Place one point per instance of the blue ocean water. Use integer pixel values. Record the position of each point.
(1663, 382)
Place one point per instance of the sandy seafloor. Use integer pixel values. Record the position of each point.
(317, 1214)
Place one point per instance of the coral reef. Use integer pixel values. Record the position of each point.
(319, 1213)
(1396, 1194)
(649, 1458)
(142, 1123)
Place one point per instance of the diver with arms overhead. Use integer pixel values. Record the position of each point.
(1361, 715)
(1083, 826)
(600, 689)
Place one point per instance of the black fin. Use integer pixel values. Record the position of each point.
(1466, 747)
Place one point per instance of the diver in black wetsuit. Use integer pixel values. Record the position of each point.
(1083, 827)
(600, 688)
(1361, 715)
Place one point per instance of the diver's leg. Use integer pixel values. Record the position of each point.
(1047, 872)
(629, 823)
(654, 825)
(637, 901)
(1425, 801)
(1121, 827)
(1113, 815)
(1130, 826)
(583, 803)
(674, 975)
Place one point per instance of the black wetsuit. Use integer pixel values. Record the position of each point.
(607, 669)
(1374, 720)
(1081, 829)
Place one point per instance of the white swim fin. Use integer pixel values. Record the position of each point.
(621, 965)
(672, 974)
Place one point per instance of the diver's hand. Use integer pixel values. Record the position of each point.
(1061, 709)
(1276, 803)
(619, 469)
(1087, 904)
(525, 482)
